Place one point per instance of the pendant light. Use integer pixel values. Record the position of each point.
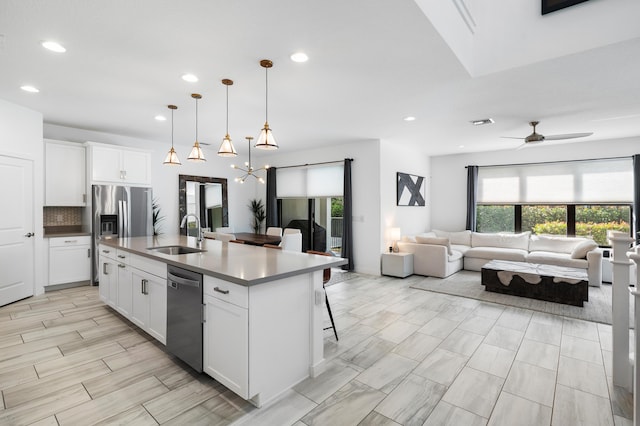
(226, 147)
(196, 151)
(266, 139)
(248, 168)
(172, 157)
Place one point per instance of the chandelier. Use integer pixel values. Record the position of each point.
(248, 168)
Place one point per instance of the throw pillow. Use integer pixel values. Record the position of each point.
(580, 251)
(435, 241)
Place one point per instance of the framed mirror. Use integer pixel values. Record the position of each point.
(205, 197)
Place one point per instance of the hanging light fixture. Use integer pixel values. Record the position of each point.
(172, 157)
(226, 147)
(266, 139)
(248, 168)
(196, 151)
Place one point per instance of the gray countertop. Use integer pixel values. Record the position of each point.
(238, 263)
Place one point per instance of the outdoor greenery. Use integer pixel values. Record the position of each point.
(156, 217)
(591, 221)
(336, 207)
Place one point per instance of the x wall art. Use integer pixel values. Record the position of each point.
(410, 190)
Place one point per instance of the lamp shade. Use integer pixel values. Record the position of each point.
(172, 158)
(394, 234)
(266, 139)
(226, 148)
(196, 153)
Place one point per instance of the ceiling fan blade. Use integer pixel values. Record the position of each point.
(524, 145)
(510, 137)
(567, 136)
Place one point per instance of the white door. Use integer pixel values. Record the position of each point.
(16, 229)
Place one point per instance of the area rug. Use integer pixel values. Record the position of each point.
(467, 284)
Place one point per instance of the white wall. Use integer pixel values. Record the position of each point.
(21, 136)
(449, 176)
(395, 157)
(165, 178)
(366, 193)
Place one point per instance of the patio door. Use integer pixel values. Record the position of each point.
(319, 220)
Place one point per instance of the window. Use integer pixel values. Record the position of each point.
(495, 218)
(550, 220)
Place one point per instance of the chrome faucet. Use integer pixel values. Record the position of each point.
(184, 223)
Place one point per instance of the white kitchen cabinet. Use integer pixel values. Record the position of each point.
(149, 310)
(69, 259)
(125, 292)
(226, 344)
(65, 176)
(123, 166)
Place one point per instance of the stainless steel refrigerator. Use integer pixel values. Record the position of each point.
(119, 212)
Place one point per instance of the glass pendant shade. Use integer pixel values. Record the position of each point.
(266, 139)
(226, 148)
(172, 158)
(196, 152)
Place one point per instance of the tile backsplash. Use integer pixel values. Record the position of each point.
(62, 216)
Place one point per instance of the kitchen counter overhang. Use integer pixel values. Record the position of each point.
(237, 263)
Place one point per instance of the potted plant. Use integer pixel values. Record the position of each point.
(259, 214)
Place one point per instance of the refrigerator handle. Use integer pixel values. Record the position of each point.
(121, 229)
(125, 218)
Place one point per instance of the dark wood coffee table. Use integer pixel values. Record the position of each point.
(558, 284)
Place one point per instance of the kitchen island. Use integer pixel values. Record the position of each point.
(263, 308)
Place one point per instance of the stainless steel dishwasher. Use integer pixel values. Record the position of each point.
(184, 315)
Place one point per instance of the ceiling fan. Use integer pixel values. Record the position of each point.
(537, 137)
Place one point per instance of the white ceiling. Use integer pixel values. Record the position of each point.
(372, 62)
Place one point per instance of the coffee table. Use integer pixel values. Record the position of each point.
(558, 284)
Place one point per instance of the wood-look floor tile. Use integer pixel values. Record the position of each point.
(30, 358)
(373, 419)
(14, 307)
(102, 408)
(111, 382)
(10, 341)
(200, 415)
(82, 315)
(24, 325)
(137, 354)
(177, 401)
(17, 376)
(82, 344)
(48, 421)
(36, 345)
(135, 416)
(42, 408)
(284, 411)
(31, 390)
(100, 330)
(58, 330)
(54, 366)
(134, 338)
(44, 308)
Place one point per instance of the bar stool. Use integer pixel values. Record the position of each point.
(326, 276)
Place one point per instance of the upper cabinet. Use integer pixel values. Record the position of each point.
(115, 164)
(65, 177)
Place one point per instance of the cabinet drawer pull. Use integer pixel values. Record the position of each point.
(219, 290)
(143, 286)
(70, 241)
(104, 269)
(88, 252)
(121, 265)
(121, 256)
(106, 251)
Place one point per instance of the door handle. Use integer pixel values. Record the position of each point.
(104, 269)
(143, 285)
(29, 235)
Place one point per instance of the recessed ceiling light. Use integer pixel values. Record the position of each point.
(190, 78)
(409, 118)
(299, 57)
(30, 89)
(482, 121)
(53, 46)
(460, 146)
(160, 118)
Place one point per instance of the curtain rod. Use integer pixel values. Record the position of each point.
(554, 162)
(312, 164)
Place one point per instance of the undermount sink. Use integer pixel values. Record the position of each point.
(175, 250)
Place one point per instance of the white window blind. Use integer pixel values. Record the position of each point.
(310, 182)
(575, 182)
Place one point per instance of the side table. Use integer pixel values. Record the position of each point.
(397, 264)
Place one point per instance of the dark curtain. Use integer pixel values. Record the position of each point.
(472, 196)
(272, 199)
(347, 212)
(636, 197)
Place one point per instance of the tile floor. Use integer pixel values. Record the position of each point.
(405, 356)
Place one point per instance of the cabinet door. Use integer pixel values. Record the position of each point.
(125, 291)
(69, 264)
(226, 345)
(108, 281)
(65, 175)
(157, 297)
(136, 166)
(106, 164)
(140, 300)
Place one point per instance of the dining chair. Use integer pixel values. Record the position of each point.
(326, 276)
(225, 237)
(291, 231)
(225, 229)
(275, 231)
(291, 242)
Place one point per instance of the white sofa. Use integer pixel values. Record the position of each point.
(442, 253)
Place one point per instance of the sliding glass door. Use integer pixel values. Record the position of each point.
(319, 220)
